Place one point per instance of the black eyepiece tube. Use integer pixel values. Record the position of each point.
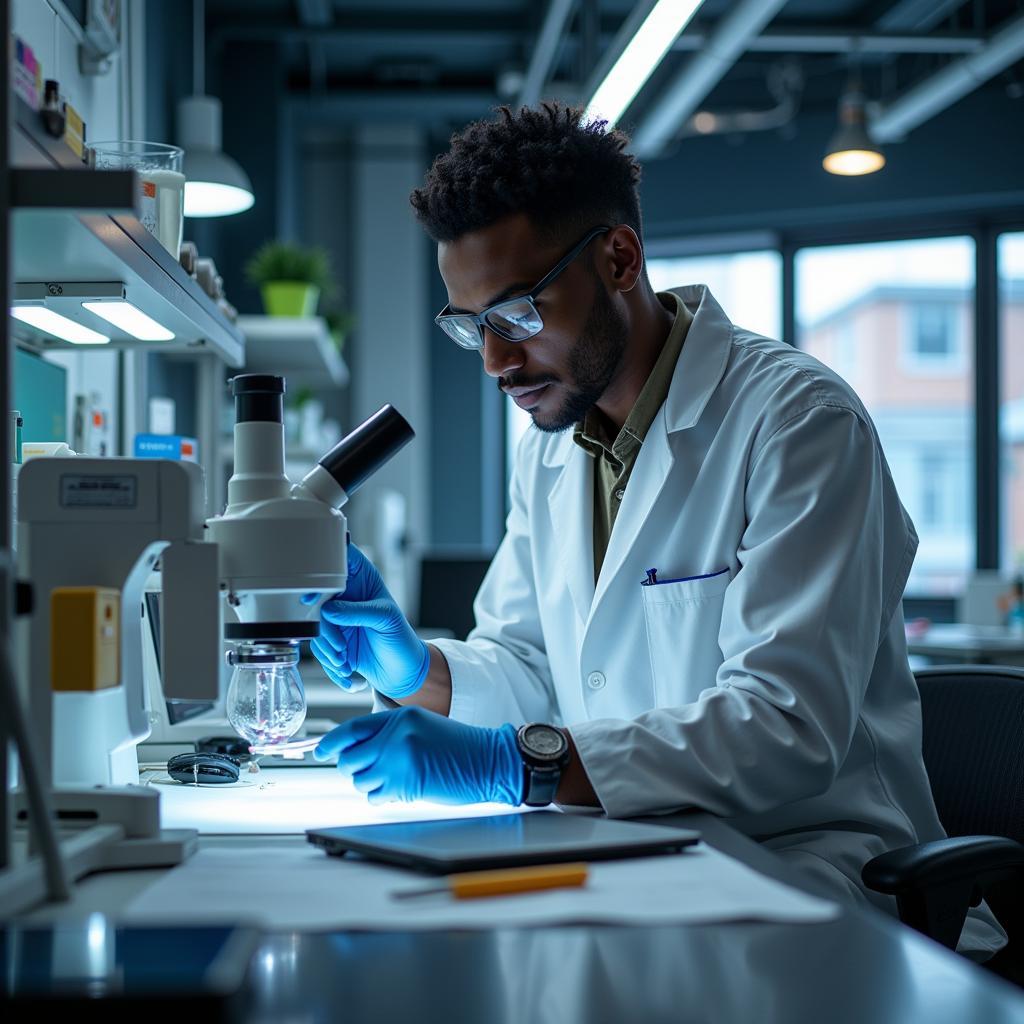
(258, 396)
(360, 454)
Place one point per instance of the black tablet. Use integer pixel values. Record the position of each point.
(501, 840)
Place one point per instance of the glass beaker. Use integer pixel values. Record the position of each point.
(161, 184)
(266, 703)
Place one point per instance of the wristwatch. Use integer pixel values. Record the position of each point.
(545, 753)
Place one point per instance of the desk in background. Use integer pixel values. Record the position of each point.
(965, 644)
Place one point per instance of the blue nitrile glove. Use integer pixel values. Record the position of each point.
(364, 631)
(414, 754)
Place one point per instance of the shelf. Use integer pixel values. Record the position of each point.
(299, 348)
(54, 246)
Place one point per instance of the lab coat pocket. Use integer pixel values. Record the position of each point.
(683, 619)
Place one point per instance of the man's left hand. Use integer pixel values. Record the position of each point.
(413, 754)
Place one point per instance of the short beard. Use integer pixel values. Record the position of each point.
(593, 361)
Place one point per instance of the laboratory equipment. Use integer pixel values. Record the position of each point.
(90, 532)
(203, 769)
(161, 184)
(98, 524)
(278, 542)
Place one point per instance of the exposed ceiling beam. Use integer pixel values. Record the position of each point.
(839, 40)
(958, 78)
(918, 15)
(544, 53)
(315, 13)
(702, 72)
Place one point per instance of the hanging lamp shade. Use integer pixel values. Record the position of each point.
(215, 185)
(851, 150)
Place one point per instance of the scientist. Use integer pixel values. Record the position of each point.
(696, 603)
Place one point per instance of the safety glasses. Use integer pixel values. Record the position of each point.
(512, 319)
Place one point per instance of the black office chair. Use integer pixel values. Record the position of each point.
(974, 753)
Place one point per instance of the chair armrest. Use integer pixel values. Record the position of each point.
(961, 858)
(935, 883)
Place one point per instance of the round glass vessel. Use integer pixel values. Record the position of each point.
(266, 703)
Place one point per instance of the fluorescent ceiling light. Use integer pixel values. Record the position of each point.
(214, 199)
(642, 54)
(130, 319)
(46, 320)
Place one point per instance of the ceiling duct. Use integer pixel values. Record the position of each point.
(958, 78)
(702, 73)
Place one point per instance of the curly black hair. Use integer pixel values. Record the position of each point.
(565, 173)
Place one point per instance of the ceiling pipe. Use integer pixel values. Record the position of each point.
(958, 78)
(702, 73)
(834, 40)
(545, 52)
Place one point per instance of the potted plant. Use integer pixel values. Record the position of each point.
(291, 278)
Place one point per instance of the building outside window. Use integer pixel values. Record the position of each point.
(895, 319)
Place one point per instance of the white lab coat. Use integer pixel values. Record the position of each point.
(766, 679)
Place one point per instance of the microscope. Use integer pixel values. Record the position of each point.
(92, 532)
(283, 551)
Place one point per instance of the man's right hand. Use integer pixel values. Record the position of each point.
(364, 631)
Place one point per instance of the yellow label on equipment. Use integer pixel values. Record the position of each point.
(85, 638)
(74, 130)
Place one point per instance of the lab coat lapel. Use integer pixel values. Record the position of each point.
(652, 469)
(700, 369)
(571, 506)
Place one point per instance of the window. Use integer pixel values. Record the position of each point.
(747, 285)
(895, 319)
(1010, 256)
(932, 342)
(932, 331)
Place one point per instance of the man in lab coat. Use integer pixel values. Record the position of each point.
(697, 599)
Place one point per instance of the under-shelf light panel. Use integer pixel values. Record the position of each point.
(130, 319)
(62, 327)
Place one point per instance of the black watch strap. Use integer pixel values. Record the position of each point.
(541, 785)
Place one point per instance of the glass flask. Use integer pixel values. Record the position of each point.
(266, 703)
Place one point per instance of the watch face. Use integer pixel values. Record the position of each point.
(544, 741)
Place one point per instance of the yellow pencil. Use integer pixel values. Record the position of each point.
(475, 884)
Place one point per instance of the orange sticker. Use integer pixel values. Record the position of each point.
(149, 190)
(186, 448)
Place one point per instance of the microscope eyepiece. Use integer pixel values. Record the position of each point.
(360, 454)
(258, 396)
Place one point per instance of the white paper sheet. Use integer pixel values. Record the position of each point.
(278, 887)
